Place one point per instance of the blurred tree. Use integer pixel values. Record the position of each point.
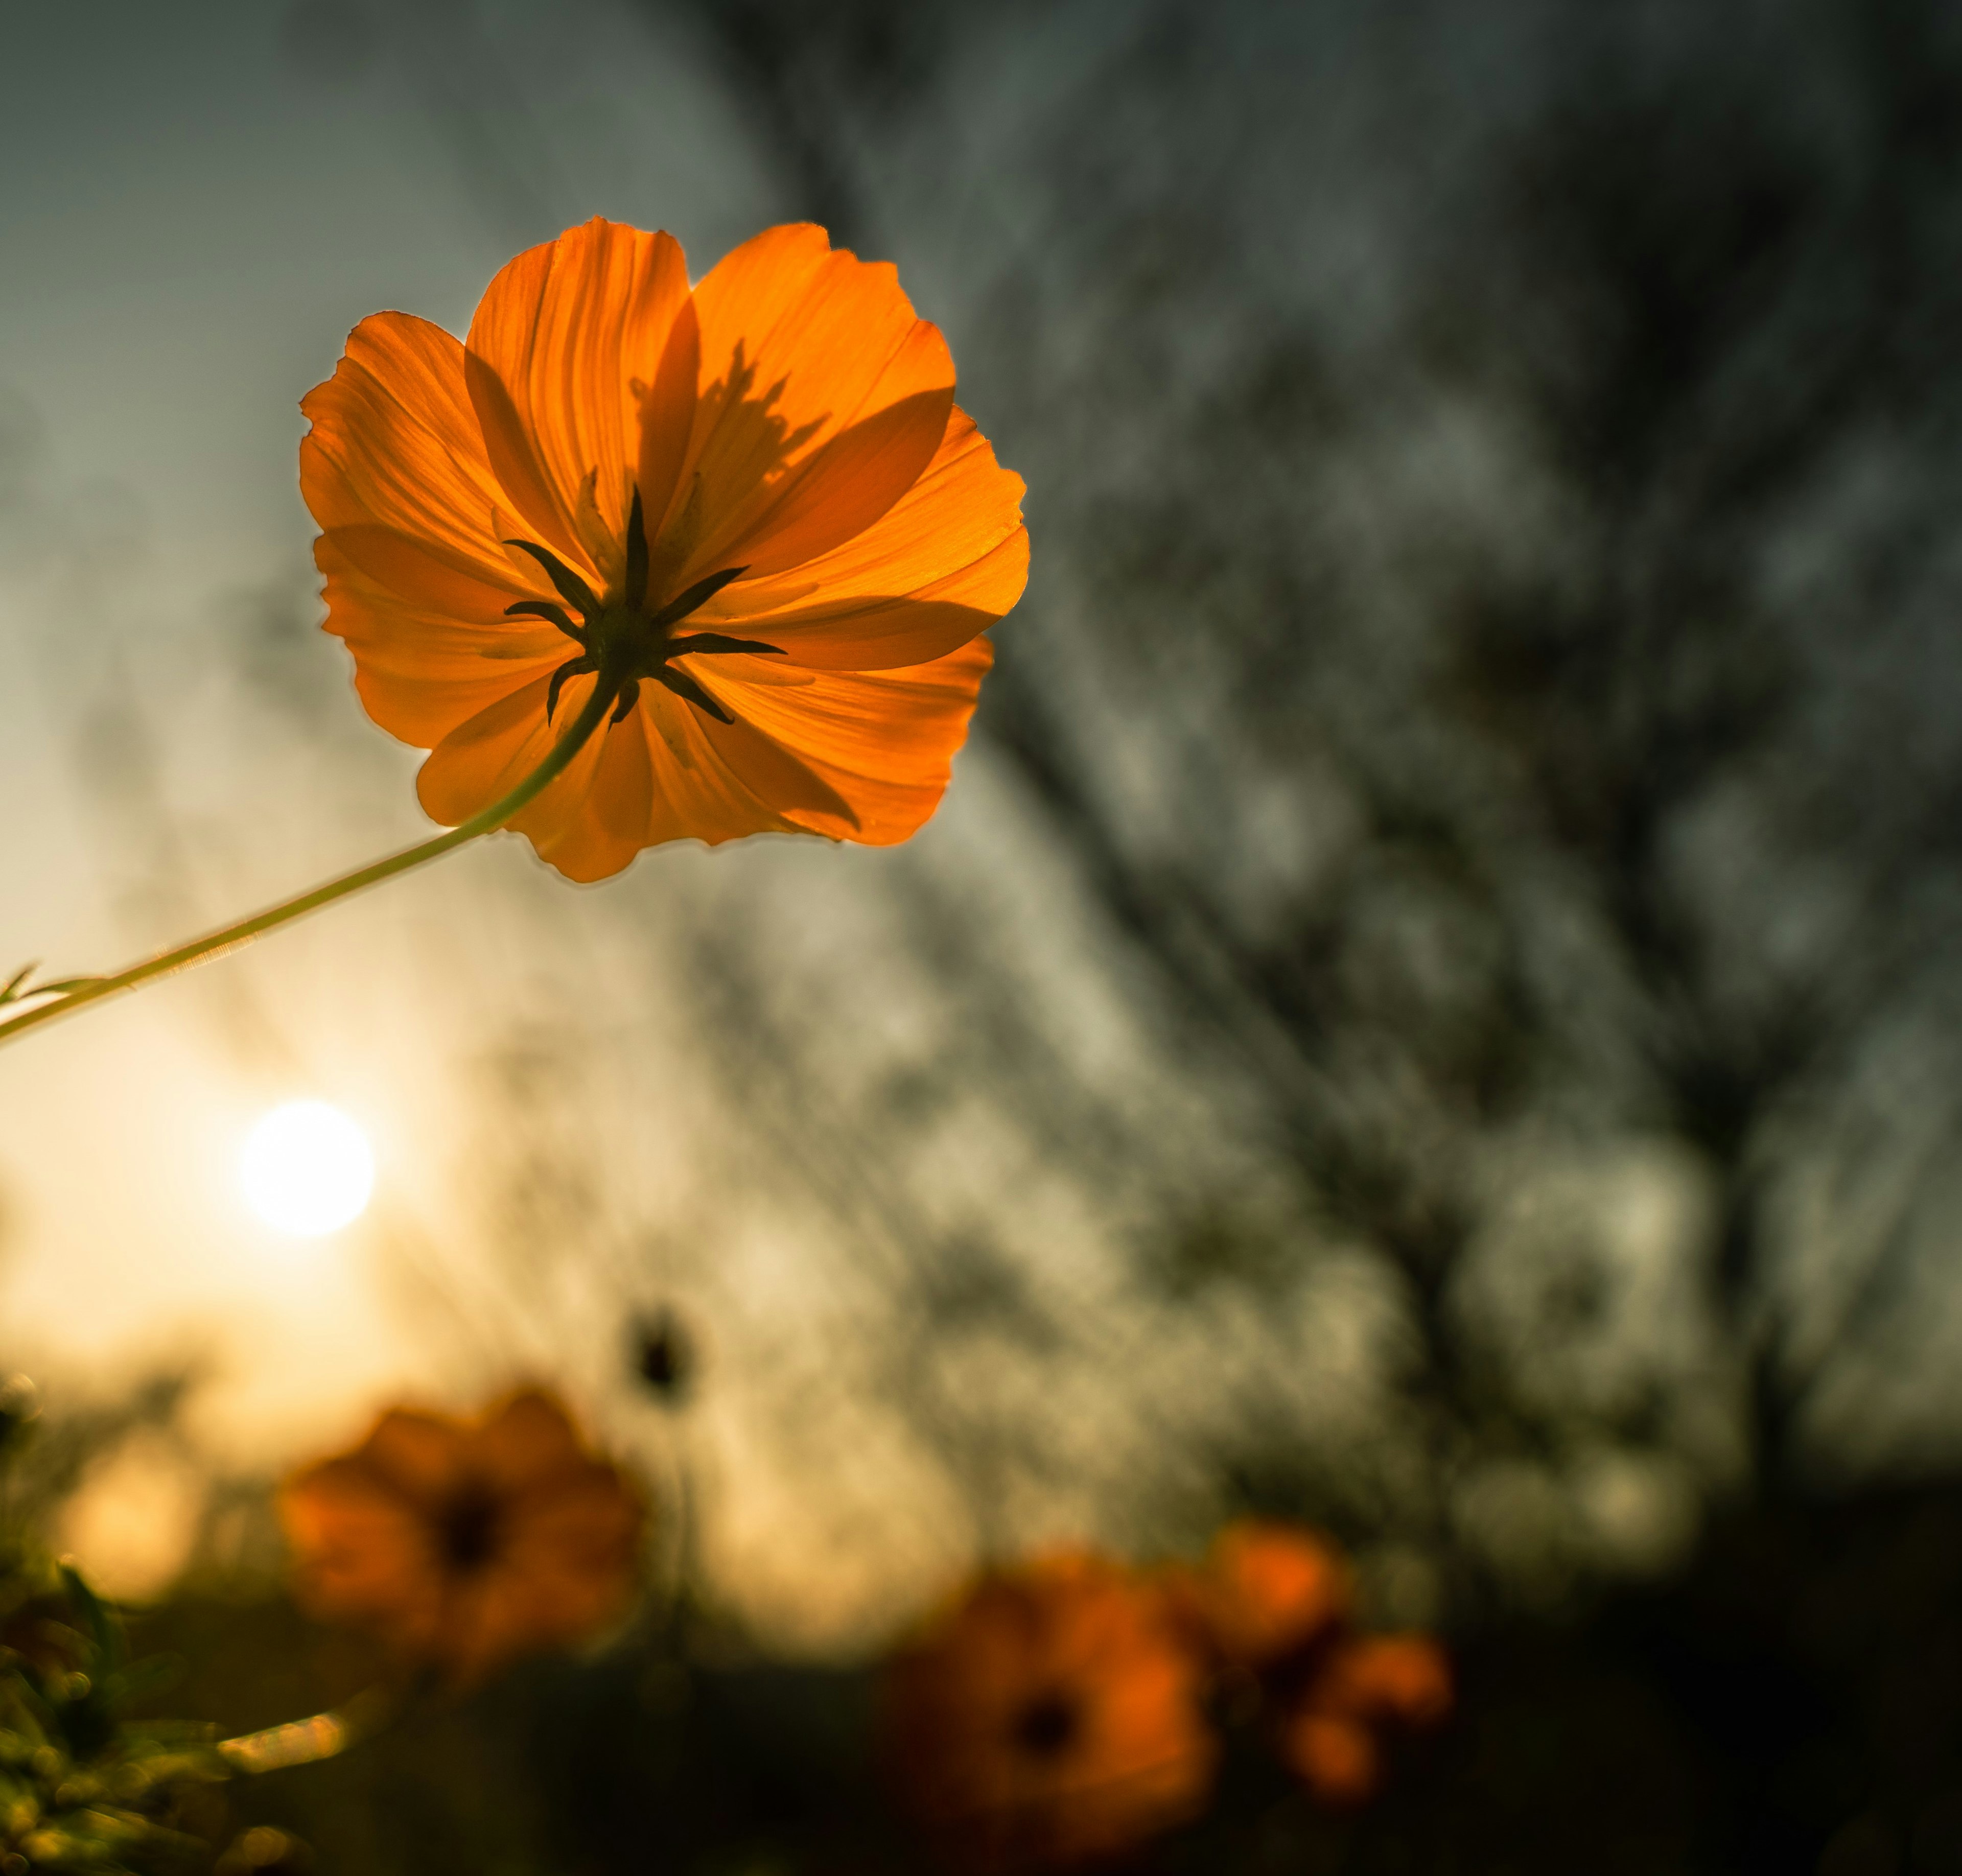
(1488, 673)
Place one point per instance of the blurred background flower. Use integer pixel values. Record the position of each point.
(464, 1545)
(1268, 1592)
(1364, 1688)
(1052, 1717)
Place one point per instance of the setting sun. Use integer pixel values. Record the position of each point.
(307, 1169)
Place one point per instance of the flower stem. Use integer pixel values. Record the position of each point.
(74, 993)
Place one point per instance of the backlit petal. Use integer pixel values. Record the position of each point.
(418, 1455)
(801, 344)
(421, 673)
(562, 336)
(883, 741)
(361, 1552)
(487, 756)
(695, 791)
(946, 561)
(395, 442)
(525, 1440)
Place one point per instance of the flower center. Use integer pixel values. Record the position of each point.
(468, 1530)
(1047, 1724)
(623, 639)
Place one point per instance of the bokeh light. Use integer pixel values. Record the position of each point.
(307, 1169)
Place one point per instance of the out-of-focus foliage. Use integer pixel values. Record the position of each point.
(83, 1787)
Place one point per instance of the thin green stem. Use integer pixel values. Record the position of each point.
(76, 992)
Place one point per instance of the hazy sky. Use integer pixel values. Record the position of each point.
(200, 202)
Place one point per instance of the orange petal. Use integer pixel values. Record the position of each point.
(489, 753)
(800, 345)
(418, 682)
(362, 1553)
(667, 422)
(590, 1526)
(1405, 1678)
(408, 570)
(623, 788)
(1272, 1588)
(602, 835)
(907, 590)
(701, 795)
(777, 777)
(842, 488)
(525, 1439)
(1338, 1758)
(394, 442)
(491, 1619)
(695, 793)
(883, 741)
(416, 1454)
(559, 341)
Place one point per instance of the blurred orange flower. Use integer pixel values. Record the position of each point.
(1405, 1678)
(1272, 1605)
(1333, 1737)
(1265, 1592)
(1051, 1717)
(465, 1543)
(1336, 1757)
(752, 509)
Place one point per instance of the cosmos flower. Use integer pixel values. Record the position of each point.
(1403, 1680)
(463, 1544)
(1266, 1591)
(1271, 1606)
(1365, 1688)
(745, 522)
(1051, 1717)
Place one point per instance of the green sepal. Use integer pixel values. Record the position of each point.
(718, 641)
(683, 685)
(571, 589)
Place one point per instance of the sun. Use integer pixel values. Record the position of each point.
(307, 1169)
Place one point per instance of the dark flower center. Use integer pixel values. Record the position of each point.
(468, 1528)
(621, 639)
(664, 1355)
(1047, 1724)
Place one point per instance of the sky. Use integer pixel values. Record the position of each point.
(200, 215)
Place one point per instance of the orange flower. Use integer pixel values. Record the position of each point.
(752, 509)
(1053, 1716)
(1338, 1757)
(463, 1544)
(1267, 1591)
(1333, 1738)
(1403, 1678)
